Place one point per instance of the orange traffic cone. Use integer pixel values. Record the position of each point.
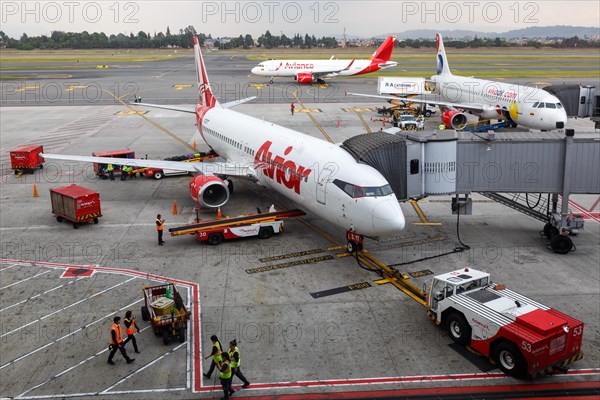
(338, 123)
(194, 145)
(219, 216)
(174, 207)
(35, 193)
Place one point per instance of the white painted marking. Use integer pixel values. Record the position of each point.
(11, 266)
(41, 294)
(67, 307)
(25, 280)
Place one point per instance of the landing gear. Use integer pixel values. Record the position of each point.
(271, 81)
(560, 243)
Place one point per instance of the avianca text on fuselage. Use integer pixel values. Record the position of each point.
(283, 171)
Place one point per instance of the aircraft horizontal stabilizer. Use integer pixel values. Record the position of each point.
(204, 168)
(190, 110)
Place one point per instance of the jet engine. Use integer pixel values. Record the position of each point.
(454, 119)
(304, 77)
(209, 191)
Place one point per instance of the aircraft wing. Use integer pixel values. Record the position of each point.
(468, 106)
(192, 110)
(204, 168)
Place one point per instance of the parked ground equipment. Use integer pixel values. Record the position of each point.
(164, 308)
(263, 225)
(523, 337)
(26, 159)
(101, 169)
(76, 204)
(159, 173)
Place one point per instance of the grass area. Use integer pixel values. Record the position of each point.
(14, 77)
(44, 67)
(100, 56)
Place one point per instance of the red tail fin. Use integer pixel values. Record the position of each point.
(204, 92)
(384, 52)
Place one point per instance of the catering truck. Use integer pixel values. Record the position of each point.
(521, 336)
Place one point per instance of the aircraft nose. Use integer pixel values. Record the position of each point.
(255, 70)
(388, 216)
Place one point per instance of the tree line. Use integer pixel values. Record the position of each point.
(183, 39)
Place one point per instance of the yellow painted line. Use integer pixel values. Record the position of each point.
(321, 85)
(102, 66)
(363, 121)
(421, 215)
(313, 119)
(336, 248)
(183, 142)
(359, 109)
(257, 85)
(131, 112)
(73, 87)
(27, 88)
(310, 110)
(181, 86)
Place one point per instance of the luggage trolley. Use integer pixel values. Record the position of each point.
(164, 308)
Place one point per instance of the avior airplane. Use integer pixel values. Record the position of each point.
(307, 71)
(520, 105)
(320, 176)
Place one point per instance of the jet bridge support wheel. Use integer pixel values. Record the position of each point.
(561, 244)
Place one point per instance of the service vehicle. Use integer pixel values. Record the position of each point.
(406, 122)
(76, 204)
(101, 168)
(164, 308)
(263, 225)
(159, 173)
(521, 336)
(26, 158)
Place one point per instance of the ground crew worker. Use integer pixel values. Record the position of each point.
(130, 328)
(116, 342)
(125, 172)
(217, 349)
(159, 228)
(292, 107)
(234, 356)
(110, 170)
(225, 376)
(442, 127)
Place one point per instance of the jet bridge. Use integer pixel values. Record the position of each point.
(532, 172)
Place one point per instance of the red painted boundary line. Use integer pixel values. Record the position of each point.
(197, 351)
(433, 391)
(585, 212)
(299, 384)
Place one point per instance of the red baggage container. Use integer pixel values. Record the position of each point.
(100, 169)
(76, 204)
(27, 158)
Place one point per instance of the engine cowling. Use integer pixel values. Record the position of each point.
(454, 119)
(209, 191)
(304, 77)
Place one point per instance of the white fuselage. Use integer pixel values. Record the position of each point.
(528, 106)
(307, 170)
(291, 68)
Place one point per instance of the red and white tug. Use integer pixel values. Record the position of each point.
(523, 337)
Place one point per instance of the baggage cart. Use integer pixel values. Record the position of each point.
(26, 158)
(76, 204)
(164, 308)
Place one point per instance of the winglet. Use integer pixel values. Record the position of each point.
(204, 91)
(384, 52)
(442, 62)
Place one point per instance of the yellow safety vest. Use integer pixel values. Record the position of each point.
(109, 167)
(218, 357)
(225, 372)
(235, 364)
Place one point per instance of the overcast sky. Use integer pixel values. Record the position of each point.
(319, 18)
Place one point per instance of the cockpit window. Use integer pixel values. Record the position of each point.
(550, 105)
(558, 105)
(536, 104)
(356, 191)
(541, 105)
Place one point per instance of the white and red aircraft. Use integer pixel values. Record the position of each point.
(321, 176)
(308, 71)
(518, 104)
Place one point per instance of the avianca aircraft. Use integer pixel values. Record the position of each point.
(321, 176)
(521, 105)
(307, 71)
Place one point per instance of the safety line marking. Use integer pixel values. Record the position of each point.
(69, 334)
(39, 294)
(11, 266)
(25, 280)
(67, 307)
